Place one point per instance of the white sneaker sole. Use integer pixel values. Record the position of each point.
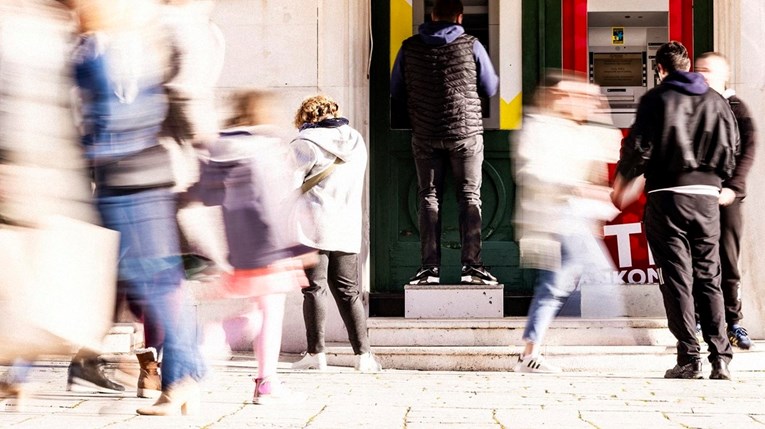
(471, 281)
(427, 281)
(80, 385)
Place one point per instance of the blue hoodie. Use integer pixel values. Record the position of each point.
(441, 33)
(686, 82)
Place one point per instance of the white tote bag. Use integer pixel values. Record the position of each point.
(57, 287)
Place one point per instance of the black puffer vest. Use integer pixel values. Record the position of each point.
(442, 89)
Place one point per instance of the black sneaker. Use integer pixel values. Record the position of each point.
(477, 275)
(719, 370)
(87, 375)
(739, 337)
(689, 371)
(426, 276)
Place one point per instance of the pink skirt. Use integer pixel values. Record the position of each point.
(283, 276)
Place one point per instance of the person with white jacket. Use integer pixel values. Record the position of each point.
(331, 160)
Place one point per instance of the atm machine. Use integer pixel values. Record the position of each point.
(622, 48)
(480, 19)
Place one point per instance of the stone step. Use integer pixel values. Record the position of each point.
(564, 331)
(601, 359)
(123, 338)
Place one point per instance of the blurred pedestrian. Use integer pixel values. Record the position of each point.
(42, 170)
(331, 160)
(120, 66)
(561, 159)
(716, 71)
(684, 140)
(248, 175)
(197, 51)
(441, 73)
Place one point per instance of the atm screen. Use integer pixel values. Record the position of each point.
(617, 69)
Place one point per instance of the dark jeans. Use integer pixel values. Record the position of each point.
(431, 159)
(683, 232)
(151, 271)
(338, 272)
(731, 226)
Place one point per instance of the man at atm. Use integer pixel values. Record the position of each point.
(684, 140)
(441, 73)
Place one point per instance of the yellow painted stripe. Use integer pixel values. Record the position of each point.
(511, 114)
(400, 26)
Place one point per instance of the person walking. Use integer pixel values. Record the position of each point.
(684, 140)
(43, 174)
(560, 160)
(441, 74)
(716, 71)
(247, 174)
(120, 64)
(331, 159)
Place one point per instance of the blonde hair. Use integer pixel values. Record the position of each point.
(316, 109)
(252, 107)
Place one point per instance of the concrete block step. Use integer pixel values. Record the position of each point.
(564, 331)
(601, 359)
(123, 338)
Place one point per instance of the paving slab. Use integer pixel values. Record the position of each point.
(342, 398)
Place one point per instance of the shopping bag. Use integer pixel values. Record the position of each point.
(57, 287)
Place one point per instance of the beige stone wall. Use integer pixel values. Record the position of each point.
(299, 48)
(739, 34)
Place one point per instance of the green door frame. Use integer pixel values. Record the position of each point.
(542, 46)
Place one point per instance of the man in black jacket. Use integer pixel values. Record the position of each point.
(441, 73)
(684, 141)
(715, 69)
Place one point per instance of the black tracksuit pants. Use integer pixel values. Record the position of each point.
(683, 231)
(731, 226)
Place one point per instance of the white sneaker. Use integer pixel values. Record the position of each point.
(367, 362)
(312, 361)
(535, 364)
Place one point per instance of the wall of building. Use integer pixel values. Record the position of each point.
(739, 34)
(299, 48)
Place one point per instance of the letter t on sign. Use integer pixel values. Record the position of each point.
(622, 233)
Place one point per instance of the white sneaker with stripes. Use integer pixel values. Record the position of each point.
(535, 364)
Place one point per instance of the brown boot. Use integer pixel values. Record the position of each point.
(149, 380)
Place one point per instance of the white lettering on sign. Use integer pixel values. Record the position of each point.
(636, 276)
(622, 232)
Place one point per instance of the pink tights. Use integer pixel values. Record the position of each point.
(265, 321)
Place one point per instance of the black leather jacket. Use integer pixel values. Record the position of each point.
(684, 134)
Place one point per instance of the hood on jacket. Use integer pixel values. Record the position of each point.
(687, 82)
(440, 33)
(339, 141)
(240, 143)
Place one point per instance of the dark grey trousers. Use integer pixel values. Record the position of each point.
(338, 273)
(432, 159)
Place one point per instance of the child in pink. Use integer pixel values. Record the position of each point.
(245, 175)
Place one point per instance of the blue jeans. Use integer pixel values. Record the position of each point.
(552, 288)
(151, 270)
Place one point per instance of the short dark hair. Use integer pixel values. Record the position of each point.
(447, 10)
(673, 57)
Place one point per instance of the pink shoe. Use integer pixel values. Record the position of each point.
(269, 390)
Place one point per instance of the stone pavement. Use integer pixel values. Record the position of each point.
(342, 398)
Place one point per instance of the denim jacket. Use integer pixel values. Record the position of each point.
(123, 103)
